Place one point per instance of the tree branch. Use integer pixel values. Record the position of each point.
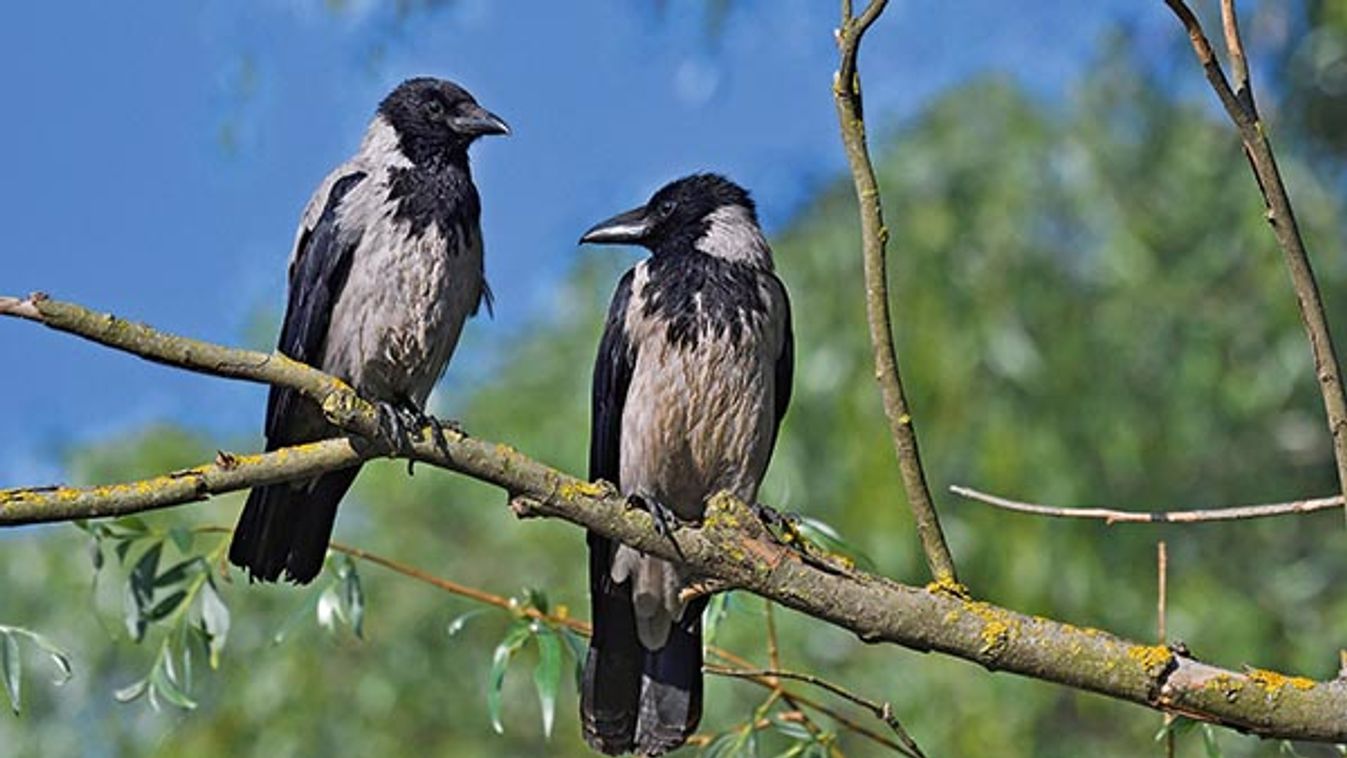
(874, 239)
(733, 547)
(1243, 113)
(1111, 516)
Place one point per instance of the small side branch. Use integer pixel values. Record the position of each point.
(1112, 516)
(228, 473)
(882, 711)
(874, 239)
(1244, 114)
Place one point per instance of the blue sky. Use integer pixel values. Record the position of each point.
(157, 158)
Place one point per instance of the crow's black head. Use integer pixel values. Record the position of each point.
(700, 212)
(434, 118)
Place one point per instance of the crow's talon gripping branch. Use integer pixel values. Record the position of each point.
(784, 529)
(440, 428)
(665, 518)
(774, 519)
(392, 427)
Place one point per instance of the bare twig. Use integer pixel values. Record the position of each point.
(734, 547)
(1243, 113)
(1162, 594)
(874, 239)
(773, 646)
(1111, 516)
(882, 711)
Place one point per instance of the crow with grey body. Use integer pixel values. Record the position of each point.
(387, 265)
(692, 378)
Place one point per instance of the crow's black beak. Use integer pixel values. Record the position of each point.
(631, 227)
(479, 121)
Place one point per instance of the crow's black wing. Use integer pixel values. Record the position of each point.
(612, 375)
(611, 689)
(785, 365)
(317, 276)
(286, 527)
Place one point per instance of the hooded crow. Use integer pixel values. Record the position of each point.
(692, 378)
(386, 267)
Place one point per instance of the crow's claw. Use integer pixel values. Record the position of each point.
(439, 427)
(774, 519)
(665, 519)
(396, 421)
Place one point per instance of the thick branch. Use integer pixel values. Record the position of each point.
(1240, 107)
(1112, 516)
(732, 547)
(874, 239)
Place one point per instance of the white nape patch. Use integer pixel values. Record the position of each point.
(734, 236)
(380, 146)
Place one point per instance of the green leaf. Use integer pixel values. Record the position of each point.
(296, 616)
(162, 682)
(58, 656)
(537, 598)
(826, 536)
(132, 691)
(131, 525)
(182, 539)
(214, 621)
(721, 746)
(329, 608)
(1209, 742)
(96, 553)
(515, 637)
(353, 597)
(10, 668)
(792, 729)
(547, 676)
(164, 607)
(179, 572)
(1178, 726)
(579, 649)
(456, 625)
(140, 590)
(716, 609)
(122, 547)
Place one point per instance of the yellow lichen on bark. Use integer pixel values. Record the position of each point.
(1274, 682)
(1153, 658)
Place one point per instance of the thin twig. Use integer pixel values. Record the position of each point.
(1111, 516)
(1243, 113)
(874, 240)
(1161, 601)
(773, 647)
(882, 711)
(1234, 45)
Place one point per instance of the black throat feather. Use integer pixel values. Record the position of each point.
(730, 296)
(440, 193)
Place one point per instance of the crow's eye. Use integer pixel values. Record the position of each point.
(666, 208)
(434, 108)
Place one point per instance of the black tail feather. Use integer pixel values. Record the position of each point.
(631, 698)
(610, 690)
(287, 527)
(671, 691)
